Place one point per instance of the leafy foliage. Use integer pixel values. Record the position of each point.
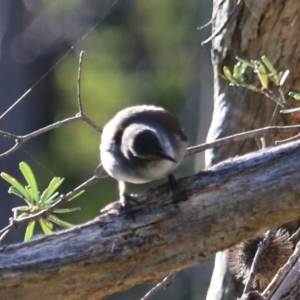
(296, 96)
(264, 69)
(37, 201)
(267, 75)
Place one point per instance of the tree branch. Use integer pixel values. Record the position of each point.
(228, 203)
(240, 137)
(21, 139)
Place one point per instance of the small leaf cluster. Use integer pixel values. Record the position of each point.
(296, 96)
(265, 70)
(36, 201)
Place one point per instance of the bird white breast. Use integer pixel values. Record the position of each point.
(155, 169)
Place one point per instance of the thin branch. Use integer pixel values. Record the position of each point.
(86, 119)
(15, 223)
(5, 232)
(21, 139)
(7, 134)
(261, 248)
(50, 127)
(282, 95)
(242, 137)
(166, 282)
(79, 83)
(293, 138)
(222, 26)
(213, 17)
(81, 113)
(11, 150)
(295, 236)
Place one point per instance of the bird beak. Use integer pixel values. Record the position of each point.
(164, 155)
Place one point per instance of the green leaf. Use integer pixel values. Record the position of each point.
(52, 187)
(47, 228)
(269, 65)
(29, 176)
(15, 183)
(290, 110)
(76, 195)
(30, 198)
(49, 224)
(54, 198)
(246, 62)
(244, 67)
(262, 75)
(251, 87)
(13, 190)
(228, 74)
(236, 70)
(295, 95)
(29, 231)
(284, 77)
(66, 210)
(60, 222)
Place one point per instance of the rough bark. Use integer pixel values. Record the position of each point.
(231, 202)
(285, 284)
(267, 27)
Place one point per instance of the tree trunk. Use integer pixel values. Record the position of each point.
(256, 28)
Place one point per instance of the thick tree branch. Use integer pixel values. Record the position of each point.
(231, 202)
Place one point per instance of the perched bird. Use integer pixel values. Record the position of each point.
(140, 144)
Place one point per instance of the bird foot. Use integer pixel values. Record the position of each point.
(126, 207)
(178, 193)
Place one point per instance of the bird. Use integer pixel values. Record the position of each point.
(140, 144)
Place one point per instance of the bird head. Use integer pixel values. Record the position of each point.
(144, 142)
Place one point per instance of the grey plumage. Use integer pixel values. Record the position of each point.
(141, 144)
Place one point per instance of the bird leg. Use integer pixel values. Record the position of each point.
(124, 200)
(178, 193)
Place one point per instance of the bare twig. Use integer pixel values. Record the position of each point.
(21, 139)
(213, 17)
(295, 236)
(15, 223)
(166, 282)
(293, 138)
(282, 95)
(263, 142)
(242, 137)
(81, 113)
(79, 83)
(261, 248)
(222, 26)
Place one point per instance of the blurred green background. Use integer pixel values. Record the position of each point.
(135, 52)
